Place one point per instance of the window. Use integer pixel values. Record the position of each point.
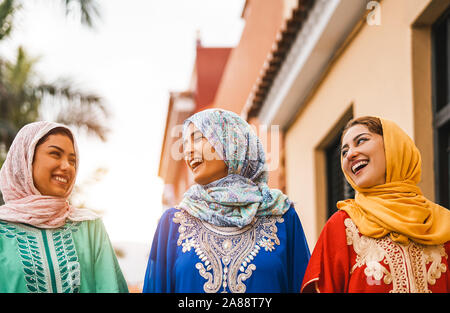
(337, 186)
(441, 106)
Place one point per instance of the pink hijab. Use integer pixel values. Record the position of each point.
(23, 202)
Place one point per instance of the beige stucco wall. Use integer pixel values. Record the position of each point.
(373, 75)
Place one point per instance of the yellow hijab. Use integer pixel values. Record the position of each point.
(398, 207)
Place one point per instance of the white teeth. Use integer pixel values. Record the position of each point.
(61, 179)
(195, 161)
(354, 167)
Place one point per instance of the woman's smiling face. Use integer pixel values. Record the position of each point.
(363, 156)
(54, 166)
(201, 158)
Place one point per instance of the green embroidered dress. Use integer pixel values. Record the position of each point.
(77, 257)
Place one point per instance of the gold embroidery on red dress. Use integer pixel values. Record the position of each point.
(403, 266)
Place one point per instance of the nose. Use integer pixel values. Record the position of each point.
(192, 150)
(64, 165)
(188, 149)
(352, 153)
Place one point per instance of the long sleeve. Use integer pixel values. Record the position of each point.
(108, 275)
(159, 274)
(298, 252)
(329, 267)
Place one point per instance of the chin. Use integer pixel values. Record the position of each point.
(58, 193)
(365, 184)
(199, 180)
(362, 185)
(203, 180)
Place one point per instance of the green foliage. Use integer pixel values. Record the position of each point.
(19, 99)
(22, 92)
(88, 10)
(7, 10)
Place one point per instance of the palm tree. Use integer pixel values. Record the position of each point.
(87, 10)
(22, 92)
(7, 10)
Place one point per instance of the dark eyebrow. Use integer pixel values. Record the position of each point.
(62, 150)
(354, 139)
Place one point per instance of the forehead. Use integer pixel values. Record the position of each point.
(354, 131)
(59, 140)
(192, 130)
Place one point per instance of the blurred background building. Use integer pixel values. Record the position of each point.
(206, 77)
(310, 66)
(223, 78)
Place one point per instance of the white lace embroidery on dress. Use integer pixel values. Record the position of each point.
(226, 253)
(405, 264)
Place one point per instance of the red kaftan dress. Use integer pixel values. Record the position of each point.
(346, 261)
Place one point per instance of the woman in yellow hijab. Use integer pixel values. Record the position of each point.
(390, 238)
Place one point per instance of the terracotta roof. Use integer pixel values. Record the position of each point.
(210, 64)
(276, 57)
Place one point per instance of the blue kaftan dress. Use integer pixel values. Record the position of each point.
(191, 255)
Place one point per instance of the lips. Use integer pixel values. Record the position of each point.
(358, 165)
(195, 163)
(61, 179)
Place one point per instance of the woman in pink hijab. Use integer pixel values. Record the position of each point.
(46, 245)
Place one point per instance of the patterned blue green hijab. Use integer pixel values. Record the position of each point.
(237, 198)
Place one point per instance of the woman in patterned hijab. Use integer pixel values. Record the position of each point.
(235, 199)
(46, 244)
(230, 232)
